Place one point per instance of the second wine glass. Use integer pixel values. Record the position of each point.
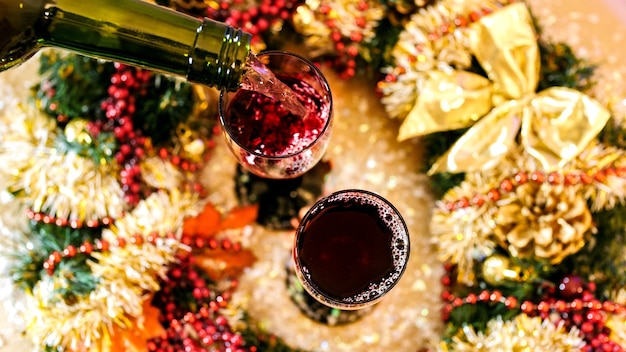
(351, 248)
(267, 137)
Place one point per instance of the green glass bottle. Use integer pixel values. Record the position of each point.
(134, 32)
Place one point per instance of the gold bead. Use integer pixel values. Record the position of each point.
(498, 270)
(76, 131)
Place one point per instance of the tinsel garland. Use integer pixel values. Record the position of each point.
(116, 246)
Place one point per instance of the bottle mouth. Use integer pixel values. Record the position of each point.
(219, 55)
(233, 58)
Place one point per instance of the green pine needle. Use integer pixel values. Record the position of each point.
(263, 340)
(74, 273)
(27, 268)
(72, 85)
(614, 134)
(560, 67)
(602, 259)
(100, 150)
(167, 103)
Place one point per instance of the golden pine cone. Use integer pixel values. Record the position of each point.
(544, 220)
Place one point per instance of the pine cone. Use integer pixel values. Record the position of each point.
(544, 220)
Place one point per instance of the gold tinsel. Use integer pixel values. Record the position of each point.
(542, 221)
(605, 193)
(522, 334)
(51, 181)
(617, 324)
(462, 236)
(417, 52)
(127, 274)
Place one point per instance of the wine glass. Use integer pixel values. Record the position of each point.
(350, 249)
(269, 137)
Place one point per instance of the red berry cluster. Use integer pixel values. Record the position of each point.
(510, 184)
(346, 48)
(574, 303)
(571, 301)
(178, 161)
(126, 84)
(255, 19)
(199, 332)
(193, 322)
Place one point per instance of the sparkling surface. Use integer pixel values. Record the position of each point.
(365, 155)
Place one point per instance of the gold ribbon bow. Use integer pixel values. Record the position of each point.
(556, 124)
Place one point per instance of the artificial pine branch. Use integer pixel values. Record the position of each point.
(74, 278)
(100, 150)
(28, 267)
(263, 340)
(72, 85)
(477, 316)
(560, 67)
(377, 53)
(602, 260)
(614, 134)
(164, 104)
(436, 144)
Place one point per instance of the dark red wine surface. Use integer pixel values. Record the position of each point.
(344, 248)
(262, 125)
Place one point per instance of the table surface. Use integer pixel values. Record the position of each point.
(596, 29)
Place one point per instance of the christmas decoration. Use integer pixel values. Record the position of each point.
(519, 334)
(113, 240)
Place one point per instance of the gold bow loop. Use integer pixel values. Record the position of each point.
(505, 45)
(556, 124)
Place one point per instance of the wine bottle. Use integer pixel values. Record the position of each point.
(133, 32)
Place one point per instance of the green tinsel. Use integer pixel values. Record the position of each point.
(614, 134)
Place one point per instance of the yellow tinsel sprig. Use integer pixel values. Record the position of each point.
(520, 334)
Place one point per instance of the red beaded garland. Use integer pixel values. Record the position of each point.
(61, 222)
(584, 311)
(510, 184)
(86, 248)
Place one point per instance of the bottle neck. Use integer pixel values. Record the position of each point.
(146, 35)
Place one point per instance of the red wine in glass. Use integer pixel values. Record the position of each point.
(350, 249)
(278, 135)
